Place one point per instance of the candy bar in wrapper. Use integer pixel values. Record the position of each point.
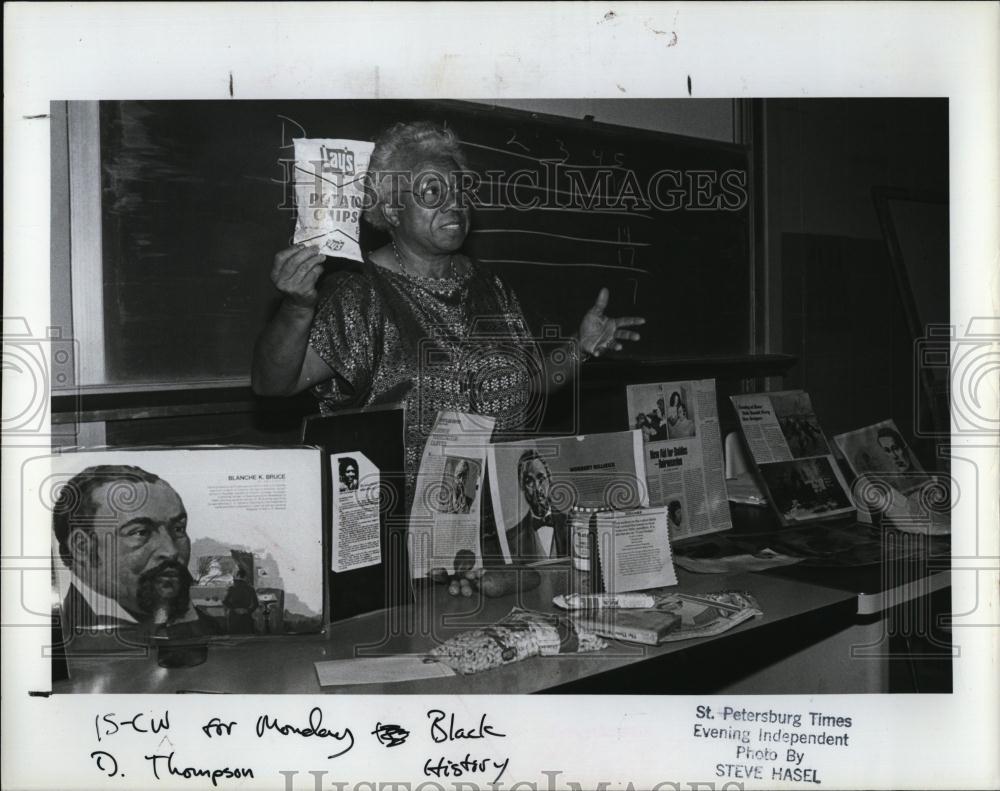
(518, 635)
(330, 194)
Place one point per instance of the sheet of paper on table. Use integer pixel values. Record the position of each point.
(379, 670)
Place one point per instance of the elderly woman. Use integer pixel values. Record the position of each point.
(421, 324)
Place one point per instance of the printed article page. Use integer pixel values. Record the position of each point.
(682, 446)
(354, 538)
(445, 517)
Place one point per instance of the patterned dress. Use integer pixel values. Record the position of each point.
(428, 345)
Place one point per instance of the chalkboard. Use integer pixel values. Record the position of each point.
(197, 200)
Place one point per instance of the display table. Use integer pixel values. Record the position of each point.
(825, 628)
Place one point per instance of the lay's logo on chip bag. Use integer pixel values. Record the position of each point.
(338, 160)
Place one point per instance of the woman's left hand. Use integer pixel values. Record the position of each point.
(600, 333)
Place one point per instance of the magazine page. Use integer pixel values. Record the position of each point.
(201, 539)
(806, 489)
(536, 483)
(444, 522)
(635, 550)
(780, 426)
(792, 455)
(682, 443)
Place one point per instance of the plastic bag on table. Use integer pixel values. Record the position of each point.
(518, 635)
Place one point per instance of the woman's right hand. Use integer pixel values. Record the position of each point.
(295, 273)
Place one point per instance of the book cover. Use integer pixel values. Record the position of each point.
(648, 627)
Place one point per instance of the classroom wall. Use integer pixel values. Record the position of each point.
(714, 119)
(825, 155)
(831, 297)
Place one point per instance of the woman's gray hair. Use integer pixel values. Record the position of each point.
(398, 149)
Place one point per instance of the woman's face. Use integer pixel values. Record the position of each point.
(431, 218)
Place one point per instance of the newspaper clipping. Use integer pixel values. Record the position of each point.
(679, 422)
(355, 541)
(793, 456)
(329, 194)
(536, 483)
(444, 521)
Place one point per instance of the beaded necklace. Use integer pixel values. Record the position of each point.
(437, 285)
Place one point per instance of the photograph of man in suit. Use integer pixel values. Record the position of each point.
(543, 533)
(122, 533)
